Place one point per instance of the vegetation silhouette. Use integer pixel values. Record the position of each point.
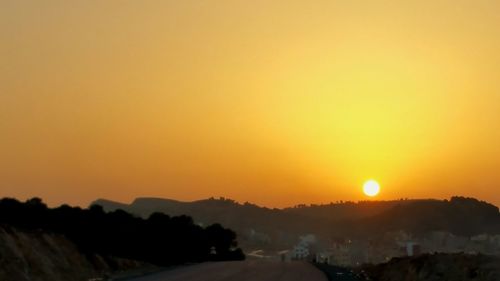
(159, 239)
(277, 229)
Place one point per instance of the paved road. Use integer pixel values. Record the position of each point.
(240, 271)
(338, 273)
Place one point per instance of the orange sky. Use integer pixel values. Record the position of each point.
(273, 102)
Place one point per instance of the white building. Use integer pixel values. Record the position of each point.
(302, 251)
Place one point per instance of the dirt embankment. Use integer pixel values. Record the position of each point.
(437, 267)
(39, 256)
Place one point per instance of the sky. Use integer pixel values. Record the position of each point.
(272, 102)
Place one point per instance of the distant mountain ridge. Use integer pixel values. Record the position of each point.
(280, 227)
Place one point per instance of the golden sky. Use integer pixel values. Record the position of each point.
(272, 102)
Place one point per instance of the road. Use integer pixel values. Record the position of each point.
(240, 271)
(338, 273)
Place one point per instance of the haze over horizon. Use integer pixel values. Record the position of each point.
(276, 103)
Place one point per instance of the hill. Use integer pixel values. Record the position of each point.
(274, 228)
(255, 225)
(436, 267)
(39, 255)
(460, 216)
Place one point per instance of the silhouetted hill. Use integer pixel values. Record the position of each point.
(110, 205)
(346, 210)
(261, 227)
(244, 218)
(459, 215)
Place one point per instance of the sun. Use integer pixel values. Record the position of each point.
(371, 188)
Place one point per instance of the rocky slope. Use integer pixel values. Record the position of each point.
(39, 256)
(437, 267)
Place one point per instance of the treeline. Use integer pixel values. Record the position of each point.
(460, 216)
(160, 239)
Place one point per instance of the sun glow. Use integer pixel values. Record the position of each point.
(371, 188)
(189, 100)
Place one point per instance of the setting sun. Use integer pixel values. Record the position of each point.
(248, 100)
(371, 188)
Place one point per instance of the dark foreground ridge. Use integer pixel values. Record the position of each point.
(437, 267)
(159, 239)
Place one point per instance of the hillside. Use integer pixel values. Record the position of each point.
(274, 228)
(253, 224)
(460, 216)
(39, 256)
(437, 267)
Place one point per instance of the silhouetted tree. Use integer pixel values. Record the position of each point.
(160, 239)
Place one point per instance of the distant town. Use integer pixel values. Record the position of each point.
(343, 233)
(355, 252)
